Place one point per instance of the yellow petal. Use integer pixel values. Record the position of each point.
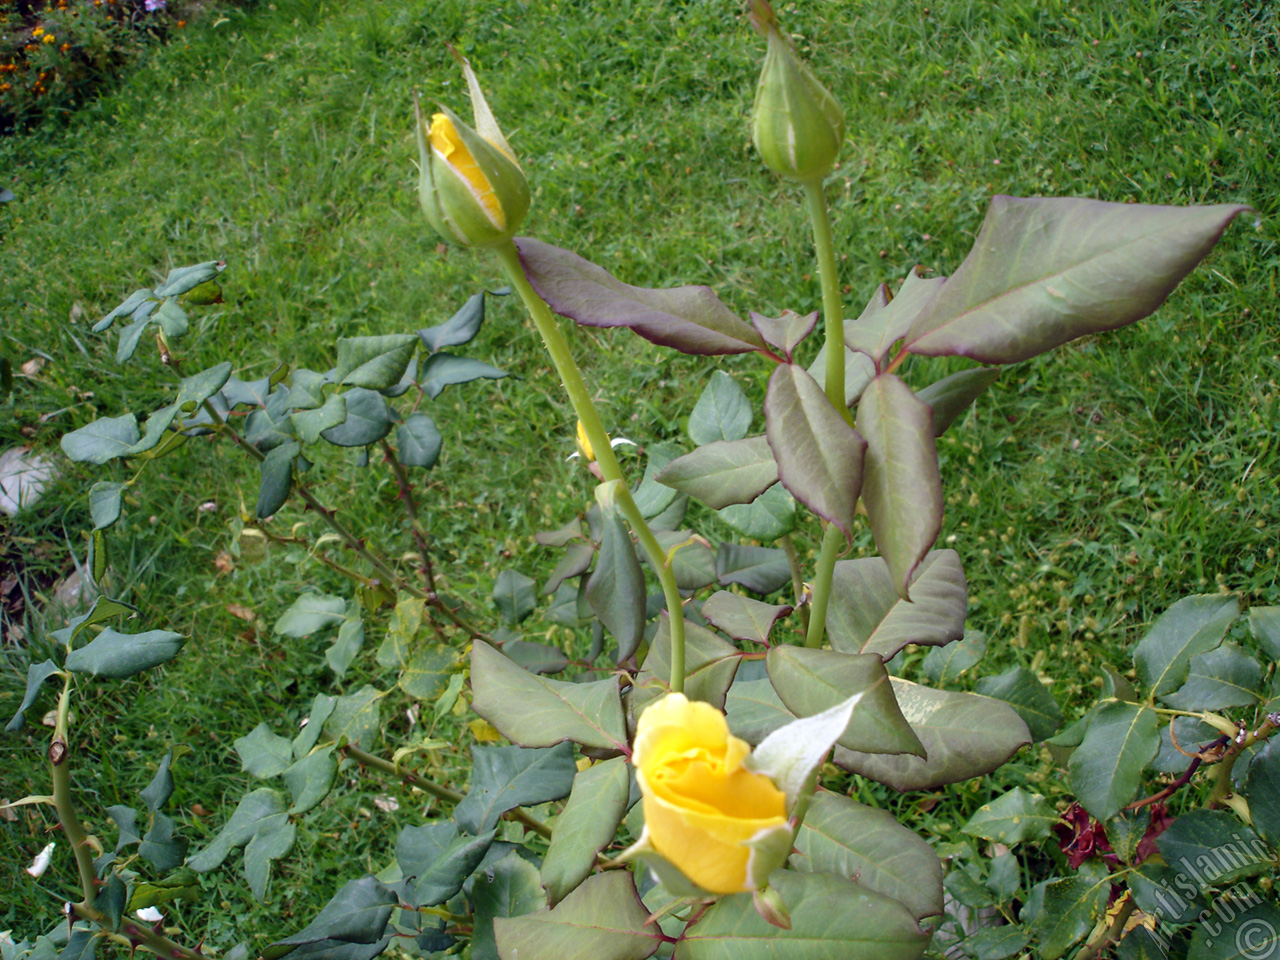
(448, 145)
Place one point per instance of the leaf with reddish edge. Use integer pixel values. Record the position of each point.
(902, 488)
(820, 457)
(1046, 270)
(691, 318)
(886, 320)
(868, 616)
(741, 617)
(785, 332)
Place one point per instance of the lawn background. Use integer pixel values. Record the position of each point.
(1087, 491)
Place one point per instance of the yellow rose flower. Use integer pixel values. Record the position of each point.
(702, 807)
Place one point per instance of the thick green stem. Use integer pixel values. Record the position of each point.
(832, 305)
(60, 768)
(832, 541)
(135, 933)
(585, 408)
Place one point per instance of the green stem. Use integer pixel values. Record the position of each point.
(585, 408)
(832, 541)
(832, 305)
(60, 768)
(137, 933)
(1223, 791)
(797, 579)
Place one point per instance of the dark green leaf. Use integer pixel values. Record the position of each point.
(691, 319)
(846, 838)
(1071, 908)
(117, 655)
(461, 328)
(1217, 679)
(509, 889)
(616, 589)
(126, 309)
(368, 420)
(830, 917)
(1106, 769)
(1250, 930)
(761, 570)
(418, 441)
(37, 674)
(157, 793)
(901, 485)
(172, 318)
(357, 913)
(586, 826)
(964, 735)
(537, 712)
(306, 390)
(1213, 847)
(126, 821)
(722, 412)
(321, 707)
(995, 943)
(263, 809)
(159, 847)
(310, 613)
(1013, 817)
(131, 335)
(1263, 789)
(1044, 271)
(1022, 690)
(515, 595)
(575, 562)
(277, 478)
(820, 456)
(437, 859)
(310, 425)
(1264, 624)
(444, 370)
(945, 665)
(1191, 626)
(603, 919)
(504, 778)
(102, 440)
(952, 396)
(264, 754)
(811, 681)
(373, 362)
(310, 779)
(1192, 735)
(867, 615)
(694, 562)
(652, 497)
(535, 657)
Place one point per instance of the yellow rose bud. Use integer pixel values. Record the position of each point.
(702, 807)
(471, 188)
(797, 125)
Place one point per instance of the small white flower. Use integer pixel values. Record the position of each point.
(150, 915)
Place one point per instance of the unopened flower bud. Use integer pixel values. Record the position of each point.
(471, 188)
(797, 126)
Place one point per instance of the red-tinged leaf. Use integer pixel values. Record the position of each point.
(820, 457)
(1046, 270)
(885, 320)
(786, 332)
(901, 487)
(691, 319)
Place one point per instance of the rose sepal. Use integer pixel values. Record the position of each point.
(790, 754)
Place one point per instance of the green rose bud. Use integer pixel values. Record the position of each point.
(471, 188)
(798, 126)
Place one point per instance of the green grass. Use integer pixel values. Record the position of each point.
(1088, 490)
